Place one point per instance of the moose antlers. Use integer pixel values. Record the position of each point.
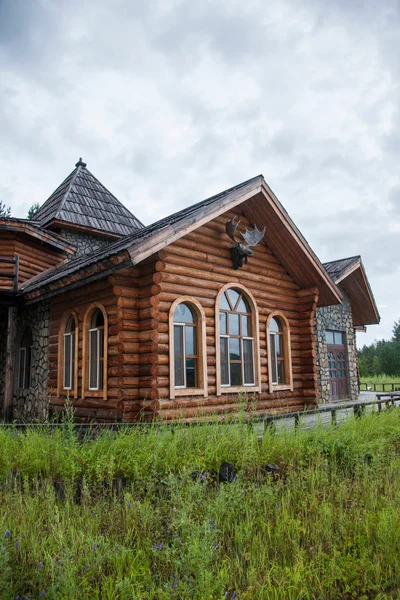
(240, 252)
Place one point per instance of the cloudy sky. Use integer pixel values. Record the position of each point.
(172, 101)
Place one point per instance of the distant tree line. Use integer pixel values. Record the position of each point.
(383, 357)
(5, 211)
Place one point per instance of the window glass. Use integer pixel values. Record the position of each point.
(185, 347)
(224, 342)
(68, 361)
(222, 323)
(190, 372)
(233, 296)
(273, 359)
(248, 367)
(183, 314)
(179, 356)
(233, 324)
(339, 338)
(330, 337)
(236, 373)
(93, 359)
(274, 325)
(190, 340)
(236, 353)
(234, 349)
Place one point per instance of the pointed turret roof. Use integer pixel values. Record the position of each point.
(82, 201)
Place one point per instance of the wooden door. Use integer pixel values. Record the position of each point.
(337, 364)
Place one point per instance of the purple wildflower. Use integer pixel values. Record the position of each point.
(59, 562)
(16, 598)
(42, 594)
(129, 504)
(278, 505)
(94, 548)
(211, 524)
(233, 596)
(216, 546)
(175, 584)
(158, 546)
(7, 534)
(40, 565)
(17, 544)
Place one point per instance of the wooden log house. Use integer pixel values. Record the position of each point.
(132, 322)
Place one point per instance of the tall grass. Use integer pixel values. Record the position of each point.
(327, 527)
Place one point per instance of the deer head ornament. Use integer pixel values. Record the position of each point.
(241, 251)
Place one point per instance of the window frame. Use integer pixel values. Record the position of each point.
(61, 390)
(287, 353)
(254, 315)
(202, 383)
(87, 391)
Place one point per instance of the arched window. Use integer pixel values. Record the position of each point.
(236, 343)
(25, 360)
(69, 354)
(96, 351)
(95, 339)
(187, 350)
(279, 354)
(185, 347)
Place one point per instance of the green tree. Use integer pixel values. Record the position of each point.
(33, 210)
(5, 211)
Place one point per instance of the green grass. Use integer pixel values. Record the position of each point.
(380, 381)
(328, 528)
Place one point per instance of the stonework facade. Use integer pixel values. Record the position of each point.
(84, 243)
(336, 318)
(32, 403)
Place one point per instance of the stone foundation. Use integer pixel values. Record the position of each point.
(338, 318)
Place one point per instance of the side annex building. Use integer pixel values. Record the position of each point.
(140, 322)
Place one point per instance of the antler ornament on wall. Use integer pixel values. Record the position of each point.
(240, 251)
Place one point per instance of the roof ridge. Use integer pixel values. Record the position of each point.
(73, 178)
(329, 262)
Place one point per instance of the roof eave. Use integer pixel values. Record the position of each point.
(34, 231)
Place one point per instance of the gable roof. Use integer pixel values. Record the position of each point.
(82, 201)
(258, 203)
(350, 274)
(33, 229)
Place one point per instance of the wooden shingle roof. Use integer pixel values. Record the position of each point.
(350, 274)
(82, 201)
(257, 200)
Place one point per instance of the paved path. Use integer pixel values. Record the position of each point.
(341, 408)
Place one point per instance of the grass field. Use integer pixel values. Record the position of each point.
(326, 527)
(380, 380)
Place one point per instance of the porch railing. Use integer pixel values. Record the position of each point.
(380, 387)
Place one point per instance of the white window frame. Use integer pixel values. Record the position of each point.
(228, 337)
(182, 325)
(94, 389)
(275, 358)
(70, 334)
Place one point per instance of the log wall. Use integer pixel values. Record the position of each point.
(137, 301)
(34, 257)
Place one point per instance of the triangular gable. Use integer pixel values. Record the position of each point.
(350, 274)
(260, 206)
(83, 202)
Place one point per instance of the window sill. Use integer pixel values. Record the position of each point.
(239, 388)
(189, 392)
(281, 387)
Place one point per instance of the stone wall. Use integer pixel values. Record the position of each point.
(3, 344)
(84, 243)
(338, 318)
(32, 404)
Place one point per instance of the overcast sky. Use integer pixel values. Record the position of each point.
(170, 102)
